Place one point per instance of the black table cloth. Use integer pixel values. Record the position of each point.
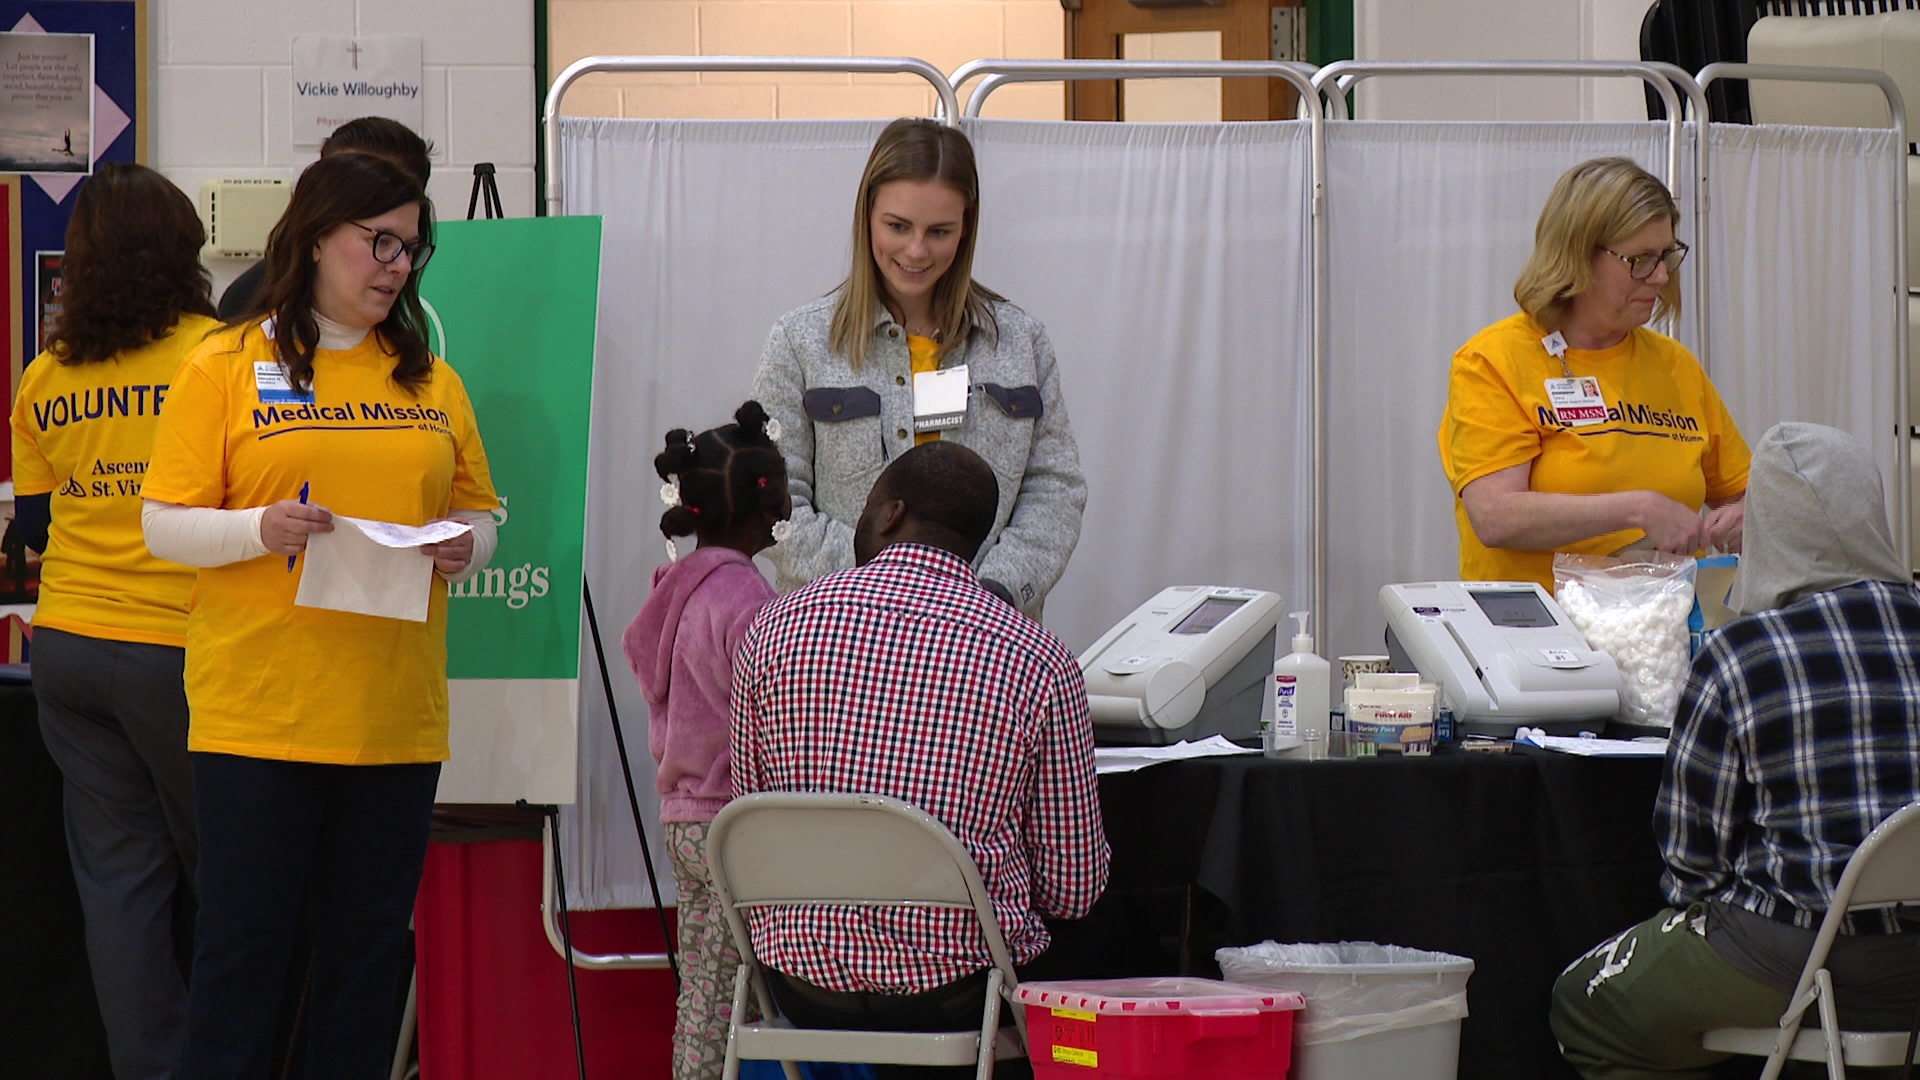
(1520, 861)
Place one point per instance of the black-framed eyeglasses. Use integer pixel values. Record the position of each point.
(388, 246)
(1640, 267)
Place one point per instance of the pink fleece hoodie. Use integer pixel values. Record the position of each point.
(681, 647)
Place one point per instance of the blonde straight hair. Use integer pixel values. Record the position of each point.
(914, 149)
(1595, 204)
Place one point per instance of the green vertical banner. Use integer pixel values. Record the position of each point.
(513, 305)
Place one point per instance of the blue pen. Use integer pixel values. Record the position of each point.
(303, 502)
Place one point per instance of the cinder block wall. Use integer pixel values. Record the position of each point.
(945, 33)
(222, 99)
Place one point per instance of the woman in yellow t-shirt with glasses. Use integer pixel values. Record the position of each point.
(317, 733)
(1571, 426)
(110, 632)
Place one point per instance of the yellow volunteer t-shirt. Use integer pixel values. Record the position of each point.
(1666, 430)
(84, 433)
(922, 357)
(266, 679)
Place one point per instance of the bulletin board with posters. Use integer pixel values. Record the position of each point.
(12, 297)
(87, 81)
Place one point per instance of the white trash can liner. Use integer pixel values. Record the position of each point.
(1355, 988)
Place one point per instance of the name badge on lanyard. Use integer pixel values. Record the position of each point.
(940, 399)
(1576, 402)
(270, 380)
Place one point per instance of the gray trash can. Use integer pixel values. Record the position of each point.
(1372, 1011)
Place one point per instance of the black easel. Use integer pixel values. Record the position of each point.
(486, 192)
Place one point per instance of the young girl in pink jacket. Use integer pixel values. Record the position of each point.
(727, 488)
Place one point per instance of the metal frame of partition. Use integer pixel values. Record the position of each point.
(550, 903)
(1897, 109)
(1667, 80)
(996, 73)
(949, 110)
(1324, 88)
(1334, 80)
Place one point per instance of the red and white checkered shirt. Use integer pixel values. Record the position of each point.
(904, 677)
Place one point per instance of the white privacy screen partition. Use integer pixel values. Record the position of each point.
(1167, 261)
(1802, 306)
(712, 230)
(1428, 225)
(1169, 264)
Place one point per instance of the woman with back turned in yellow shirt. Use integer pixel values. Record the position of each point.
(1573, 427)
(111, 627)
(317, 734)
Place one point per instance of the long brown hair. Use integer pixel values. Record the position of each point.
(132, 265)
(337, 189)
(914, 149)
(1594, 204)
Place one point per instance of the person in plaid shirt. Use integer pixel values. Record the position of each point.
(905, 677)
(1798, 732)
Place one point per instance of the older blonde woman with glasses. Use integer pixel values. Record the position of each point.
(1570, 425)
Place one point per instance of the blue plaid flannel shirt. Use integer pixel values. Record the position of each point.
(1797, 733)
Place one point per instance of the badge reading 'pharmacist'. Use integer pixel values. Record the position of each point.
(1577, 401)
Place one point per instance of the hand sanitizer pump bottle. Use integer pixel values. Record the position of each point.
(1300, 689)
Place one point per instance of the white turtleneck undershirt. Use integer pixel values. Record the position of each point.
(208, 536)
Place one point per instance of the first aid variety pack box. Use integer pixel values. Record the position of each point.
(1158, 1029)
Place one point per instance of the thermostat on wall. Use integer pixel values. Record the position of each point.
(240, 213)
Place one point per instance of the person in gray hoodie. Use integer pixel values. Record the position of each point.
(846, 376)
(1797, 733)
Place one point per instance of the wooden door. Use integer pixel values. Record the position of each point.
(1096, 28)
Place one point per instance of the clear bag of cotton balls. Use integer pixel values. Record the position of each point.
(1634, 610)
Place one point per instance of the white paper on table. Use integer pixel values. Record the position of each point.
(372, 567)
(1588, 747)
(1119, 759)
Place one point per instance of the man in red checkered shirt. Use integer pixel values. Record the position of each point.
(905, 677)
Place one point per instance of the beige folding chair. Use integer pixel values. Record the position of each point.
(1883, 872)
(785, 848)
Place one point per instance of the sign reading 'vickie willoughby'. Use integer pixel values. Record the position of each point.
(336, 79)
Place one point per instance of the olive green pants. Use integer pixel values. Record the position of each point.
(1636, 1005)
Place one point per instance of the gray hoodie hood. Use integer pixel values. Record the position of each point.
(1816, 519)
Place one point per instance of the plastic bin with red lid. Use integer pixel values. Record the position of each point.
(1158, 1029)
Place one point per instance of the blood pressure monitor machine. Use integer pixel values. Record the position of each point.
(1192, 662)
(1505, 653)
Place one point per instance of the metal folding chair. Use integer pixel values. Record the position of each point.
(1883, 872)
(781, 849)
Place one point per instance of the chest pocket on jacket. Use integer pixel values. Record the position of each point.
(848, 448)
(1018, 402)
(835, 404)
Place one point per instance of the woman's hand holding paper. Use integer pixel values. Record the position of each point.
(285, 526)
(450, 556)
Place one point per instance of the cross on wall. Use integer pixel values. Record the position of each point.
(354, 48)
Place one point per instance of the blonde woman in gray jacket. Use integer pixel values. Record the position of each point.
(910, 349)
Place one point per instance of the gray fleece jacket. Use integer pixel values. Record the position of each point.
(841, 427)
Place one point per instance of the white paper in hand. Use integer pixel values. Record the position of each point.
(371, 567)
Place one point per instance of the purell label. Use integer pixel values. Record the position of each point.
(1286, 723)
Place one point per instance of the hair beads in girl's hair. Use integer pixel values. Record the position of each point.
(721, 477)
